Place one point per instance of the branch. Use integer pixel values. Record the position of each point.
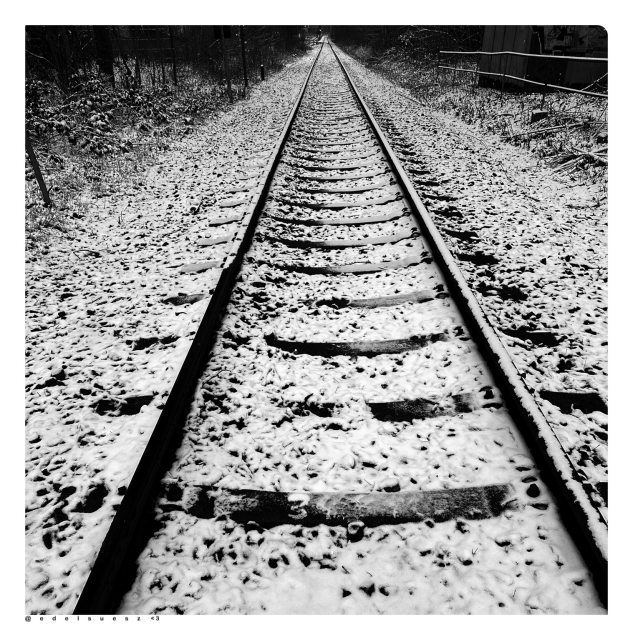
(595, 82)
(597, 158)
(537, 131)
(87, 43)
(41, 58)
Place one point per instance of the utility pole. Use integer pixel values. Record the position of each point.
(226, 66)
(244, 58)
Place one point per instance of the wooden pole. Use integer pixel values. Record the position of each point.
(503, 79)
(36, 169)
(173, 54)
(244, 58)
(545, 84)
(226, 66)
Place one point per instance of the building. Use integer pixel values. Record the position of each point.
(560, 41)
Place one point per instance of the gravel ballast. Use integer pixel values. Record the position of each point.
(111, 309)
(300, 399)
(111, 312)
(533, 248)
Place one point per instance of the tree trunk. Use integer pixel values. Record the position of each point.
(105, 56)
(173, 55)
(244, 59)
(226, 66)
(60, 57)
(67, 55)
(128, 73)
(137, 68)
(150, 52)
(162, 57)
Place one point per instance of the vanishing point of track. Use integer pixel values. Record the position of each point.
(339, 312)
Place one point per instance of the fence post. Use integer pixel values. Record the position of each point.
(36, 169)
(262, 72)
(454, 72)
(547, 64)
(503, 79)
(476, 74)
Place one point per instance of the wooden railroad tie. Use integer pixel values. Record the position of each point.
(372, 509)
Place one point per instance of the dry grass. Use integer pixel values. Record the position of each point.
(571, 139)
(138, 128)
(73, 185)
(75, 174)
(74, 180)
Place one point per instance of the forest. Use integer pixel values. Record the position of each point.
(102, 101)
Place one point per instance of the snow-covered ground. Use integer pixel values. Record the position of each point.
(104, 345)
(543, 244)
(110, 314)
(267, 418)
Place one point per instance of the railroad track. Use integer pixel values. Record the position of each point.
(346, 435)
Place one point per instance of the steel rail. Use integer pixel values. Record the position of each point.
(113, 570)
(584, 523)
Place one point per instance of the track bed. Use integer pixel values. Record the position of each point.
(347, 449)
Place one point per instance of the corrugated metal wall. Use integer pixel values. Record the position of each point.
(506, 38)
(518, 38)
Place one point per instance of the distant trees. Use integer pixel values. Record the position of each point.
(134, 55)
(58, 52)
(417, 41)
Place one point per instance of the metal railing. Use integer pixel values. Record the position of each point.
(524, 55)
(505, 76)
